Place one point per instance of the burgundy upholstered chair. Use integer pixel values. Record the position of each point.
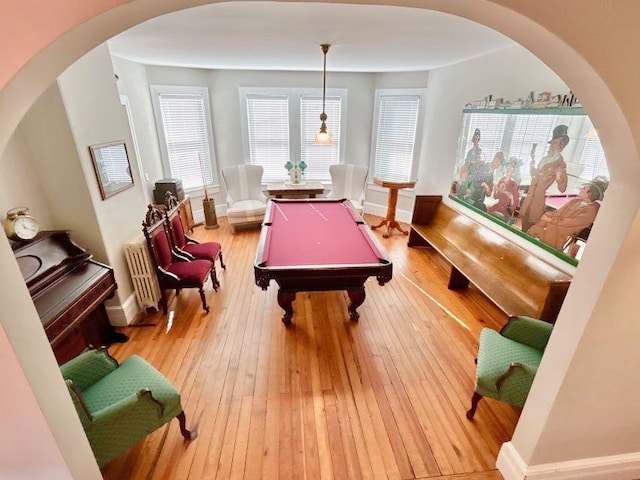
(191, 249)
(174, 272)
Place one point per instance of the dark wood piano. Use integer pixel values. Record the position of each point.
(68, 289)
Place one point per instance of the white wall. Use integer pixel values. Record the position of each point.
(92, 102)
(133, 83)
(21, 416)
(225, 100)
(225, 105)
(52, 152)
(20, 184)
(49, 169)
(509, 73)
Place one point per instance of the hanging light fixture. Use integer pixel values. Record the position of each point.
(324, 135)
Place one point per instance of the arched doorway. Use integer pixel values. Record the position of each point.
(605, 107)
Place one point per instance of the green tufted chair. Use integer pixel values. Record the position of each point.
(119, 405)
(508, 360)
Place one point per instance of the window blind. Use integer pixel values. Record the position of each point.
(268, 124)
(184, 124)
(319, 157)
(396, 136)
(530, 129)
(491, 128)
(593, 159)
(512, 135)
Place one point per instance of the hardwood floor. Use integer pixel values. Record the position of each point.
(327, 398)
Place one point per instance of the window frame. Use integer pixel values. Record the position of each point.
(158, 90)
(294, 96)
(419, 133)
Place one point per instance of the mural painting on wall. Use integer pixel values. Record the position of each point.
(540, 171)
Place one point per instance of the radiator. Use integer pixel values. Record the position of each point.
(145, 281)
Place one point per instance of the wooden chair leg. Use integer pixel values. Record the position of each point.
(188, 435)
(214, 278)
(204, 300)
(163, 302)
(474, 405)
(224, 267)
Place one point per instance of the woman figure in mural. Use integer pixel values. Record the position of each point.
(506, 195)
(515, 163)
(473, 155)
(498, 166)
(555, 228)
(550, 169)
(476, 180)
(479, 184)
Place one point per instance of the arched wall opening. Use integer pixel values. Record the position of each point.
(51, 50)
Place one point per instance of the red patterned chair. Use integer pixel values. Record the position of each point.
(191, 249)
(174, 272)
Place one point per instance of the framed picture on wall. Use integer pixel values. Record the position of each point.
(111, 164)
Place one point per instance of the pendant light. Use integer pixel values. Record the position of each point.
(324, 135)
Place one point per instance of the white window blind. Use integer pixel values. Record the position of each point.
(113, 164)
(185, 127)
(491, 128)
(593, 159)
(513, 135)
(530, 129)
(319, 157)
(268, 124)
(395, 137)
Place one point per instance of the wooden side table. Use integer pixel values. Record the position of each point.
(392, 202)
(282, 189)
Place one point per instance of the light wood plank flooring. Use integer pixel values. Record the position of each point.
(327, 398)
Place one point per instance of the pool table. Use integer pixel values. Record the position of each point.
(315, 245)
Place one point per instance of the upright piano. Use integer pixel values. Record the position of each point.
(68, 289)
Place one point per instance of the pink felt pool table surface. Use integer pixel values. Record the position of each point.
(318, 244)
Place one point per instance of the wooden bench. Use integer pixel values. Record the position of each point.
(517, 281)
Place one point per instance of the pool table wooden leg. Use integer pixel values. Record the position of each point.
(285, 298)
(357, 296)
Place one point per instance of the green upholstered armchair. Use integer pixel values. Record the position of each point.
(508, 360)
(119, 405)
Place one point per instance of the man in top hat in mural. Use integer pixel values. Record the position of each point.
(550, 169)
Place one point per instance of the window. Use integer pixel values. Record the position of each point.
(268, 124)
(593, 159)
(319, 157)
(515, 133)
(280, 124)
(183, 121)
(395, 143)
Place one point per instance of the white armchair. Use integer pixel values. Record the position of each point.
(350, 182)
(246, 203)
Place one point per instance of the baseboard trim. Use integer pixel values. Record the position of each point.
(619, 467)
(123, 315)
(381, 211)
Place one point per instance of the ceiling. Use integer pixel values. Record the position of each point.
(287, 36)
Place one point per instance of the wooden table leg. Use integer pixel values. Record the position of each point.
(357, 296)
(390, 220)
(285, 298)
